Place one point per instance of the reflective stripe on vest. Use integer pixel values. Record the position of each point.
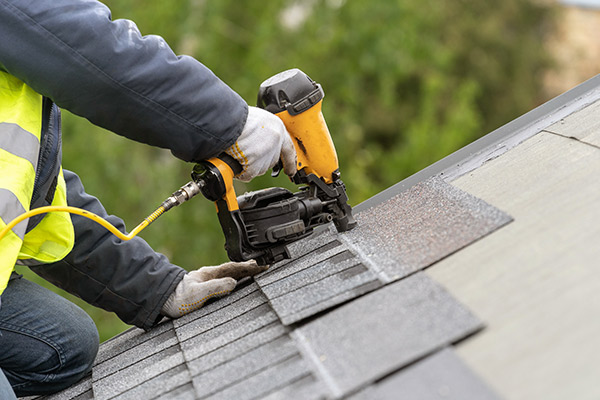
(20, 130)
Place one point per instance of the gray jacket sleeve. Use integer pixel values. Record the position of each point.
(126, 277)
(106, 71)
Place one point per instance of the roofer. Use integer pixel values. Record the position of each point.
(69, 53)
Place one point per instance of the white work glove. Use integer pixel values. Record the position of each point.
(264, 140)
(198, 286)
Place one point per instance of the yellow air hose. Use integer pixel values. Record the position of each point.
(182, 195)
(96, 218)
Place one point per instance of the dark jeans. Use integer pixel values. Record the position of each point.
(46, 342)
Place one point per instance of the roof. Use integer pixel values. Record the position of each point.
(468, 280)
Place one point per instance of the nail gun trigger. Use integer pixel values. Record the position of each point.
(277, 169)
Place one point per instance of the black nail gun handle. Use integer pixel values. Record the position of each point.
(215, 177)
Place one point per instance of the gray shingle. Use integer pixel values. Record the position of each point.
(131, 354)
(420, 226)
(82, 390)
(196, 344)
(138, 373)
(305, 388)
(331, 301)
(313, 272)
(440, 376)
(383, 331)
(224, 315)
(128, 339)
(163, 384)
(268, 380)
(230, 352)
(235, 348)
(238, 295)
(185, 392)
(324, 293)
(316, 250)
(245, 366)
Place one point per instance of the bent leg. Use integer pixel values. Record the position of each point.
(46, 342)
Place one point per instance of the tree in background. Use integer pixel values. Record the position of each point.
(406, 83)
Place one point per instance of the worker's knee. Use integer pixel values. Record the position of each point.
(48, 365)
(82, 346)
(47, 342)
(77, 351)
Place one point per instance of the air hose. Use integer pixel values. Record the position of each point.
(182, 195)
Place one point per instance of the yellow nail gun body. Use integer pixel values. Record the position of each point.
(258, 225)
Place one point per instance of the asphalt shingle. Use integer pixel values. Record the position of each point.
(440, 376)
(161, 386)
(138, 373)
(82, 390)
(383, 331)
(133, 351)
(420, 226)
(131, 338)
(245, 367)
(270, 379)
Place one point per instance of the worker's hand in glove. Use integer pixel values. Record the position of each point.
(263, 141)
(198, 286)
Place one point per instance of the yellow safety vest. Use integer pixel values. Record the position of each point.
(20, 131)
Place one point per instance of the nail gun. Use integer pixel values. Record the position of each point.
(258, 225)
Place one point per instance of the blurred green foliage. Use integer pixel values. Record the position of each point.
(406, 83)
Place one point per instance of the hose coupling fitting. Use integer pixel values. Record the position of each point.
(182, 195)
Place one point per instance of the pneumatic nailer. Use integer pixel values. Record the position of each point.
(258, 225)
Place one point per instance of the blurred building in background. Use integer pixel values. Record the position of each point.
(575, 45)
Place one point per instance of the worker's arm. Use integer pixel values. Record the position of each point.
(72, 52)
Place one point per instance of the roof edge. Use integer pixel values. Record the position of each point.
(497, 142)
